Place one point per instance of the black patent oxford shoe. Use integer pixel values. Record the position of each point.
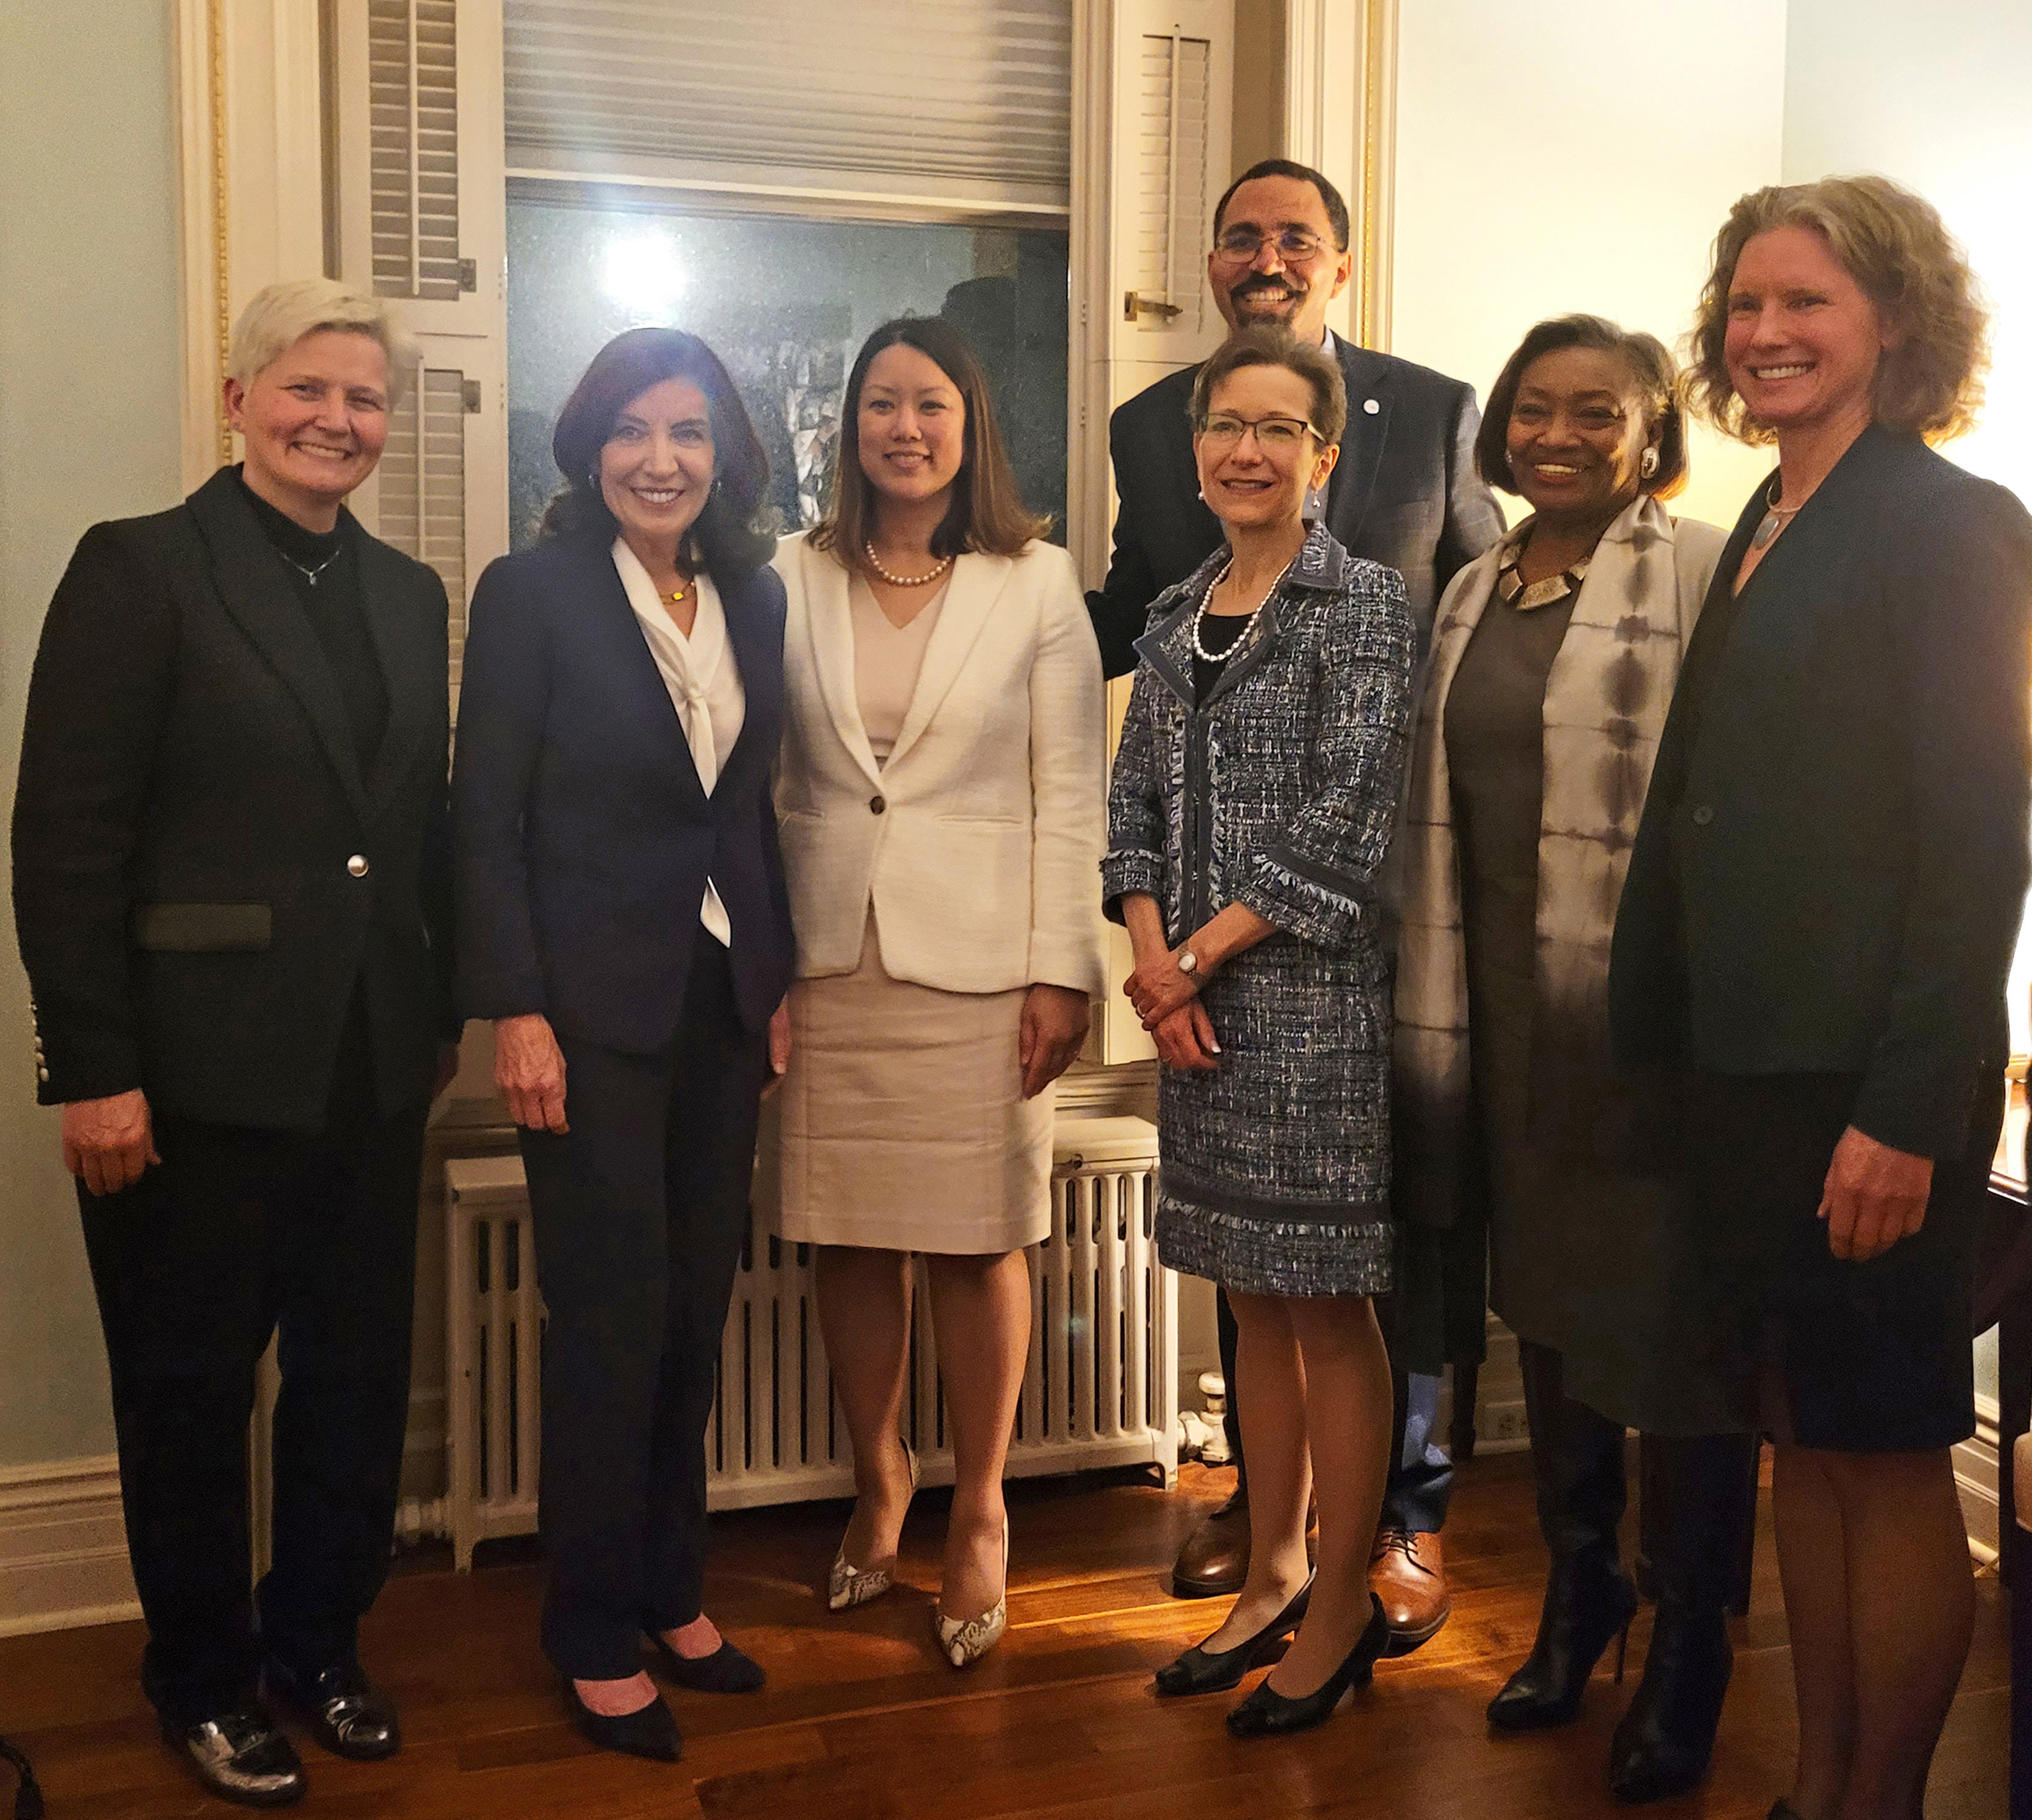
(239, 1756)
(346, 1713)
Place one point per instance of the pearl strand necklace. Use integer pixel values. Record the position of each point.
(875, 562)
(1199, 613)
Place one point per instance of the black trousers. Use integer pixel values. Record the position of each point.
(640, 1212)
(235, 1233)
(1422, 1475)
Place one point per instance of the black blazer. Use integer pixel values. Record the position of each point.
(202, 872)
(584, 837)
(1832, 859)
(1404, 493)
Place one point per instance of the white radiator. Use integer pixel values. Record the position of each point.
(1101, 1388)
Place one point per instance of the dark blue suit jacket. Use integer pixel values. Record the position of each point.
(1831, 862)
(582, 835)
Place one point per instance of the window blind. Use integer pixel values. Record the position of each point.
(971, 98)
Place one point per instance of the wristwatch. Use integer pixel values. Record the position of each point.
(1189, 962)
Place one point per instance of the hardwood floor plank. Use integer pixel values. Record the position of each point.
(862, 1720)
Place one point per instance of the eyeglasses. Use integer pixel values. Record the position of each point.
(1274, 435)
(1241, 245)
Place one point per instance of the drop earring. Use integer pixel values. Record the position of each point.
(1647, 463)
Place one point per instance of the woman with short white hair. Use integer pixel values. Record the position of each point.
(230, 886)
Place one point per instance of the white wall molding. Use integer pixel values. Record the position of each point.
(1323, 106)
(1976, 1468)
(63, 1553)
(250, 144)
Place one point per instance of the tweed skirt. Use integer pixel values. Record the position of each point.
(1274, 1175)
(903, 1125)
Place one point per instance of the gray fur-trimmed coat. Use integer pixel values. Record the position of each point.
(1278, 792)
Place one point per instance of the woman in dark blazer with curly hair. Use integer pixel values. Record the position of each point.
(1817, 923)
(619, 870)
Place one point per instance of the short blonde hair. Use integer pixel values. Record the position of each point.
(1894, 245)
(279, 316)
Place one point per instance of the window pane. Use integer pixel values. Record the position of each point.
(784, 303)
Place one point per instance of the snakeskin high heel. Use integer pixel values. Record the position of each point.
(848, 1586)
(964, 1641)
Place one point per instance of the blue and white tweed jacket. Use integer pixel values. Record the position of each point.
(1280, 791)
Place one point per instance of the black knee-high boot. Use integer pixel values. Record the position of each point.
(1577, 1461)
(1708, 1484)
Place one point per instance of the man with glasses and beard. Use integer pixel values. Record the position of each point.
(1405, 494)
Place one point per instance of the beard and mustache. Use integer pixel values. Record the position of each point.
(1264, 298)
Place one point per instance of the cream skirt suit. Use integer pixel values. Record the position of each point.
(940, 797)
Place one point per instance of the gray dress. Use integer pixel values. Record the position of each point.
(1582, 1259)
(1278, 792)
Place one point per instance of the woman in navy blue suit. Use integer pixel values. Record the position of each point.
(630, 938)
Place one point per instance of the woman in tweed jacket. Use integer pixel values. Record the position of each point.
(1251, 807)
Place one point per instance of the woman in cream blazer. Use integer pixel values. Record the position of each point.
(940, 794)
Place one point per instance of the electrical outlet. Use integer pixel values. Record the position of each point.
(1504, 1421)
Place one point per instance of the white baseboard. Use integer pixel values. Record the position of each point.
(63, 1546)
(63, 1553)
(1976, 1480)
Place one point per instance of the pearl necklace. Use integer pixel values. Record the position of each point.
(875, 562)
(1199, 613)
(1776, 516)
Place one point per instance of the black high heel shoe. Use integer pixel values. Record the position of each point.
(648, 1732)
(727, 1670)
(1200, 1671)
(1663, 1742)
(1585, 1611)
(1267, 1714)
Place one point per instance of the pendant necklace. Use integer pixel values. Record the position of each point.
(1776, 517)
(310, 575)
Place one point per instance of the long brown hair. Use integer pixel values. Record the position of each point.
(986, 512)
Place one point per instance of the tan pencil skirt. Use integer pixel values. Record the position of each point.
(903, 1126)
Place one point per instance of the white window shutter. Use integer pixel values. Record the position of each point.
(422, 200)
(1173, 104)
(412, 89)
(1172, 111)
(422, 477)
(921, 102)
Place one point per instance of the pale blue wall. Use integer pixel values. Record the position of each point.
(89, 430)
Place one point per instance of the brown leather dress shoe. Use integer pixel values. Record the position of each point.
(1407, 1570)
(1216, 1557)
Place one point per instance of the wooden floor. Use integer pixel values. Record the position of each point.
(862, 1721)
